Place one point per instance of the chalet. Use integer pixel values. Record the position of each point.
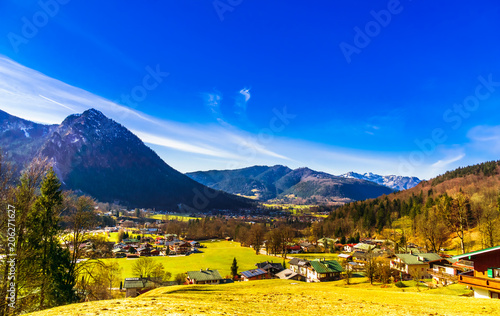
(364, 247)
(195, 244)
(328, 242)
(288, 274)
(444, 272)
(119, 253)
(485, 276)
(349, 247)
(345, 256)
(293, 249)
(270, 267)
(180, 247)
(307, 246)
(137, 286)
(359, 257)
(411, 264)
(255, 274)
(323, 270)
(144, 251)
(316, 270)
(299, 266)
(204, 277)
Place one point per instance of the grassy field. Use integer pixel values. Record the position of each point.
(217, 255)
(280, 297)
(312, 256)
(178, 217)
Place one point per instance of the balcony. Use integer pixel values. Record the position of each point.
(485, 283)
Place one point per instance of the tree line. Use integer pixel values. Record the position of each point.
(42, 265)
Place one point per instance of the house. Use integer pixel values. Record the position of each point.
(299, 266)
(484, 278)
(136, 286)
(411, 264)
(144, 251)
(316, 270)
(345, 256)
(293, 249)
(270, 267)
(255, 274)
(288, 274)
(349, 247)
(204, 277)
(195, 244)
(329, 242)
(323, 270)
(444, 272)
(119, 252)
(306, 246)
(359, 257)
(363, 247)
(180, 247)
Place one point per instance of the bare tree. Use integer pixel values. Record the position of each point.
(432, 229)
(256, 237)
(457, 212)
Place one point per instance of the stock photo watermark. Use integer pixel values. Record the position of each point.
(150, 81)
(249, 148)
(455, 116)
(31, 26)
(223, 6)
(363, 36)
(10, 258)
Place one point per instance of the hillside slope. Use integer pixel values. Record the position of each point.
(301, 185)
(97, 156)
(280, 297)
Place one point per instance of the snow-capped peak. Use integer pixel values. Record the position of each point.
(394, 182)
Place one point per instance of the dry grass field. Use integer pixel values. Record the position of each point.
(279, 297)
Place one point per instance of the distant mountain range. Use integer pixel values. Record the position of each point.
(95, 155)
(398, 183)
(301, 185)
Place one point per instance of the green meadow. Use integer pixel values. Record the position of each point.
(216, 255)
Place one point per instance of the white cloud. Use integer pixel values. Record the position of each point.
(31, 95)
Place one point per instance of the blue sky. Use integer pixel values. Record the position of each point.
(392, 87)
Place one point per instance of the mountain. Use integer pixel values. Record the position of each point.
(398, 183)
(301, 185)
(97, 156)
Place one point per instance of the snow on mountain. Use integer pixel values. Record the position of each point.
(398, 183)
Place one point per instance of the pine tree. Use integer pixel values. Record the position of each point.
(46, 224)
(234, 268)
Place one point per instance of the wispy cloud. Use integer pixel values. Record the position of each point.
(31, 95)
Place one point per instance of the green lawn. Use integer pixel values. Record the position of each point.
(217, 255)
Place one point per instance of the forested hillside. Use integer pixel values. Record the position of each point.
(432, 212)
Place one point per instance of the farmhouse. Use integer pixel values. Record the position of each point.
(180, 247)
(444, 272)
(323, 270)
(288, 274)
(204, 277)
(270, 267)
(485, 276)
(136, 286)
(255, 274)
(299, 266)
(414, 264)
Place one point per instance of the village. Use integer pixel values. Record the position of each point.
(314, 262)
